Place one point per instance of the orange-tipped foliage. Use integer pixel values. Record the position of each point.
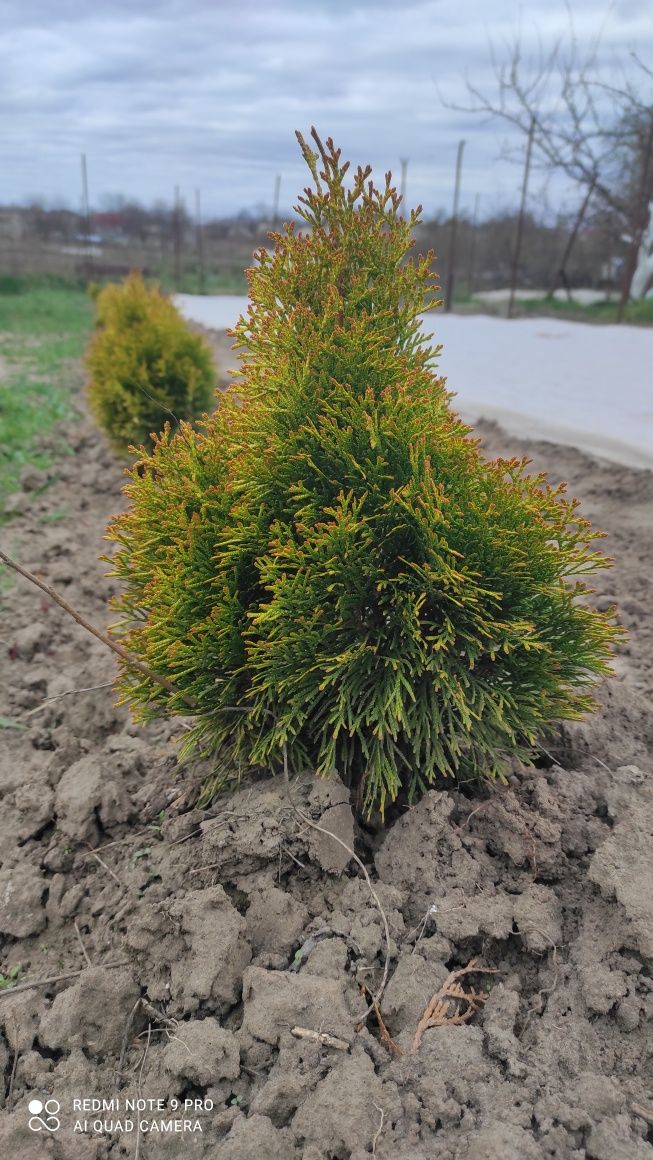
(330, 565)
(145, 365)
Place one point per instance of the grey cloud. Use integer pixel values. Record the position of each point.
(206, 94)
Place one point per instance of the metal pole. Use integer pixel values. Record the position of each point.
(520, 220)
(176, 238)
(275, 203)
(404, 174)
(448, 297)
(88, 263)
(199, 240)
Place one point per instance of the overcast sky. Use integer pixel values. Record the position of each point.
(208, 93)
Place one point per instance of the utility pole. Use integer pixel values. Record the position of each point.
(275, 202)
(86, 213)
(520, 220)
(448, 296)
(199, 241)
(176, 238)
(404, 172)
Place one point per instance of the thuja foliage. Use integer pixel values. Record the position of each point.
(145, 365)
(330, 566)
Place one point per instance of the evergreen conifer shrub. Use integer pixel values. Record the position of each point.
(145, 365)
(330, 565)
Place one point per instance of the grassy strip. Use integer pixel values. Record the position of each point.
(43, 332)
(638, 313)
(192, 281)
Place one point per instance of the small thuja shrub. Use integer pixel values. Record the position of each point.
(145, 365)
(329, 565)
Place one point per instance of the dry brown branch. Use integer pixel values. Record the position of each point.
(645, 1114)
(118, 649)
(158, 1016)
(452, 1005)
(49, 982)
(320, 1037)
(386, 1038)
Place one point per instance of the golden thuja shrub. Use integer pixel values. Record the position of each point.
(329, 566)
(145, 365)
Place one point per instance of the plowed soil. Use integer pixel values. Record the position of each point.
(196, 941)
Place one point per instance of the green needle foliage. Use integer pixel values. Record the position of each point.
(330, 565)
(145, 365)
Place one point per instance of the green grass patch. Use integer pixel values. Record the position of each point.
(12, 284)
(55, 517)
(638, 313)
(191, 282)
(43, 332)
(11, 977)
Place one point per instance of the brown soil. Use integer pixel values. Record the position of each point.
(547, 880)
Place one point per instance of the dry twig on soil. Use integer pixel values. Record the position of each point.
(320, 1037)
(108, 869)
(378, 1130)
(81, 943)
(93, 851)
(123, 653)
(49, 982)
(68, 693)
(12, 1077)
(386, 1038)
(156, 1016)
(452, 1004)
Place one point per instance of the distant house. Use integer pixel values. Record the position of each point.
(12, 225)
(109, 227)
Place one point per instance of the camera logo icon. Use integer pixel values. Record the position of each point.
(43, 1116)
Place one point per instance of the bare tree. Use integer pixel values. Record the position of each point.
(598, 133)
